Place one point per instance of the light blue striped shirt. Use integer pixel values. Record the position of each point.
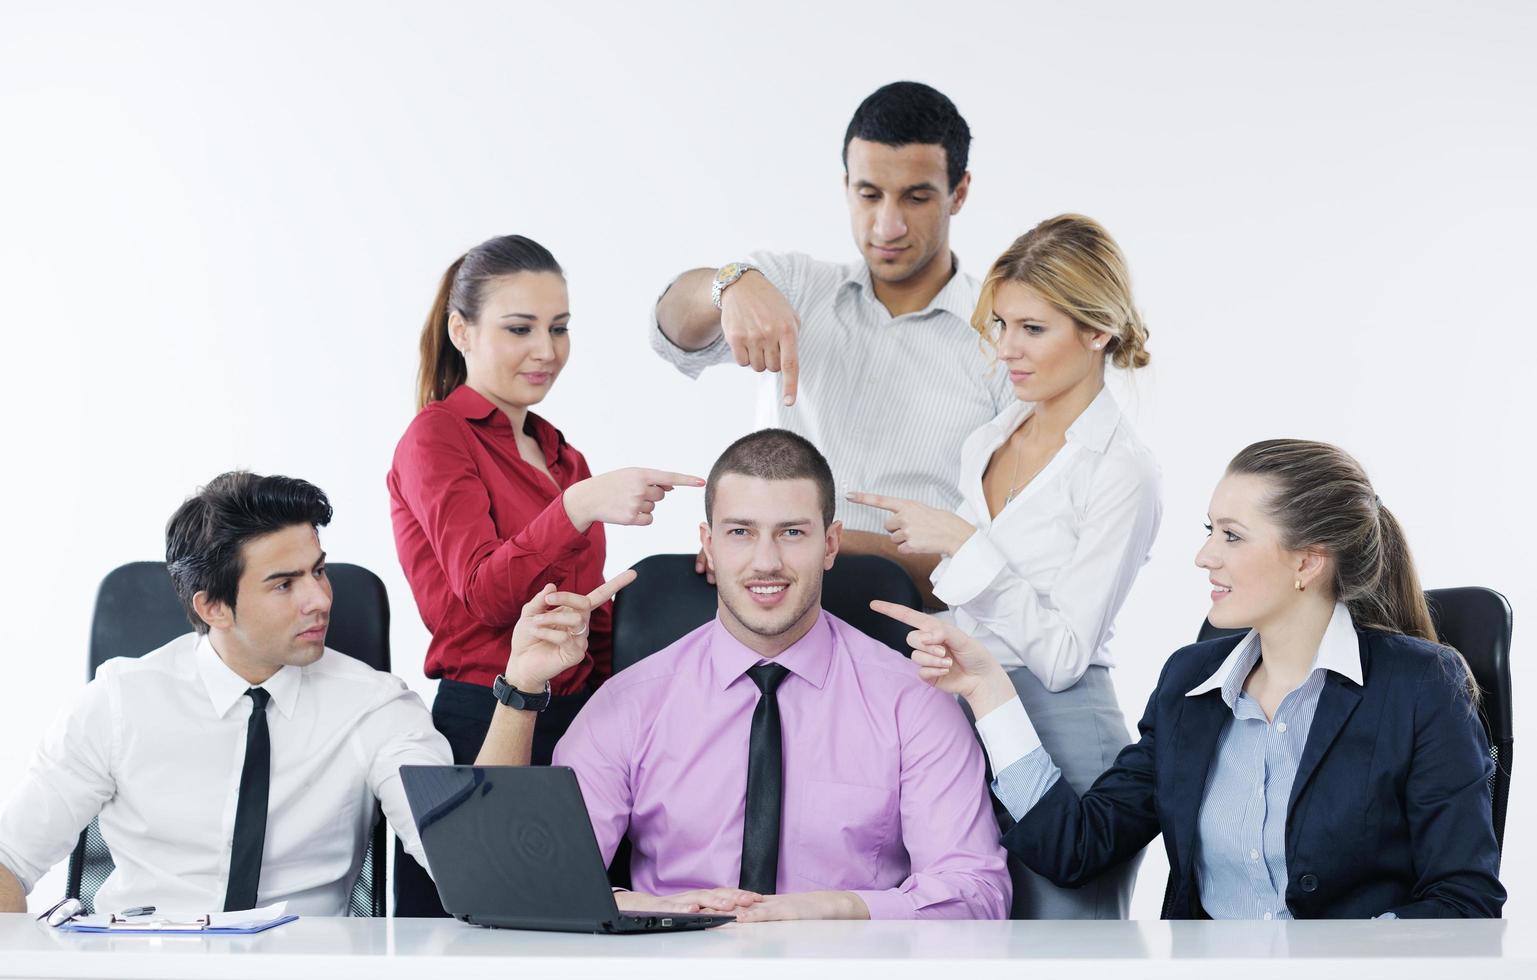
(1240, 856)
(1241, 845)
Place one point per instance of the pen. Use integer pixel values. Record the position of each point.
(138, 910)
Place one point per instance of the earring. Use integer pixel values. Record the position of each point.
(1298, 585)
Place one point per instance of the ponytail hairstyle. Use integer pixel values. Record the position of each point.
(462, 288)
(1321, 498)
(1077, 267)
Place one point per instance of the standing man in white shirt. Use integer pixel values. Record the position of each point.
(237, 765)
(874, 361)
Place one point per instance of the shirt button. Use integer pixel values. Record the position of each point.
(1253, 854)
(1309, 883)
(1281, 728)
(1269, 916)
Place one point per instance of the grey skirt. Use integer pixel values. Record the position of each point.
(1083, 730)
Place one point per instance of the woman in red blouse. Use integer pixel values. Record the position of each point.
(488, 500)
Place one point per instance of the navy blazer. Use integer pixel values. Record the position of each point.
(1390, 810)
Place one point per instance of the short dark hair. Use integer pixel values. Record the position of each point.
(773, 454)
(203, 539)
(904, 113)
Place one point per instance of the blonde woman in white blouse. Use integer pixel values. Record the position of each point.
(1060, 506)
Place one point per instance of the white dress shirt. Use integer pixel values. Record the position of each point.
(1042, 582)
(155, 747)
(886, 399)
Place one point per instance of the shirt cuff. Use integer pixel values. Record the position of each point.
(1021, 786)
(690, 362)
(1007, 735)
(971, 569)
(1386, 915)
(25, 874)
(552, 534)
(889, 903)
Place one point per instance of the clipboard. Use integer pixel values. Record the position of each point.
(208, 924)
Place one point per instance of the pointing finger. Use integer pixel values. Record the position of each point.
(663, 478)
(911, 617)
(876, 500)
(789, 366)
(606, 591)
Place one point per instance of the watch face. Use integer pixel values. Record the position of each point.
(727, 272)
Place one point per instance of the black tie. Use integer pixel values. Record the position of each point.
(765, 785)
(245, 860)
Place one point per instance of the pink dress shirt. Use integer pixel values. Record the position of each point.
(885, 791)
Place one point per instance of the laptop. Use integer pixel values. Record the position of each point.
(512, 847)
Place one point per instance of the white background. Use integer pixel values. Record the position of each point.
(221, 227)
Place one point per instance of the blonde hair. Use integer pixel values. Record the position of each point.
(1077, 267)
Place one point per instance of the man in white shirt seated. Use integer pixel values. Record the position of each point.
(236, 766)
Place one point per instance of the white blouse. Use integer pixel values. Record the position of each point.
(1041, 584)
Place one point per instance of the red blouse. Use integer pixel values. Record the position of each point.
(479, 531)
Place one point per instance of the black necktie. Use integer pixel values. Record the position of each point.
(245, 860)
(765, 785)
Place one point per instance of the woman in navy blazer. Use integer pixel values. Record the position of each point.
(1328, 764)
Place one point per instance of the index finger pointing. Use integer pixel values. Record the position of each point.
(606, 591)
(876, 500)
(663, 478)
(911, 617)
(789, 366)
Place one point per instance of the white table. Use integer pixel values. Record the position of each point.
(380, 949)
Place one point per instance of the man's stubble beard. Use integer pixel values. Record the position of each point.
(813, 599)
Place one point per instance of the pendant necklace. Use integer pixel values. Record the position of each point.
(1019, 454)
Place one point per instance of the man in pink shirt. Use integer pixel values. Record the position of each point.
(776, 762)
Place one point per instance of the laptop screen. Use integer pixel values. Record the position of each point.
(509, 844)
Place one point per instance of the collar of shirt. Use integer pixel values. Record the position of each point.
(1340, 651)
(808, 658)
(225, 687)
(956, 298)
(1092, 429)
(472, 406)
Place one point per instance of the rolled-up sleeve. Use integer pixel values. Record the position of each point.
(68, 782)
(948, 827)
(785, 270)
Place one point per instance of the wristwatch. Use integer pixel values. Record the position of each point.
(728, 274)
(514, 698)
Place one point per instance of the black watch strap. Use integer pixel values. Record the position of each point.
(514, 698)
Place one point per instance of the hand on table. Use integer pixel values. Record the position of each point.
(918, 529)
(721, 900)
(806, 905)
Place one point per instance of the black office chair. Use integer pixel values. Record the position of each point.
(137, 611)
(1476, 622)
(669, 599)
